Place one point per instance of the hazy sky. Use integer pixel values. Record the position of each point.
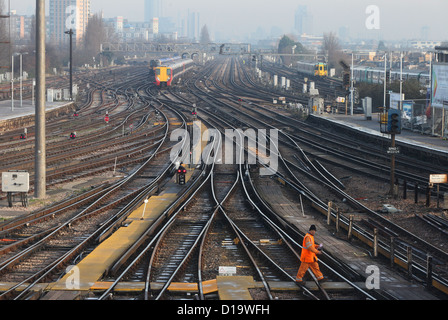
(397, 18)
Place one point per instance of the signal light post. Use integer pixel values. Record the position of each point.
(70, 33)
(181, 175)
(393, 127)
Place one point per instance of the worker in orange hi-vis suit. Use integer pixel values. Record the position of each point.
(309, 257)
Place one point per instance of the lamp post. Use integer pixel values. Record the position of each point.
(70, 32)
(12, 83)
(21, 78)
(385, 77)
(352, 90)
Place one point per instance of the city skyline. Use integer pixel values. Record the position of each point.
(240, 20)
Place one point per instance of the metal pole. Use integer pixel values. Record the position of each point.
(21, 75)
(70, 32)
(351, 90)
(432, 106)
(32, 92)
(390, 68)
(385, 76)
(401, 81)
(71, 64)
(392, 166)
(10, 54)
(12, 83)
(40, 161)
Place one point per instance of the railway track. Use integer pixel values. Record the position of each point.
(221, 210)
(74, 230)
(323, 207)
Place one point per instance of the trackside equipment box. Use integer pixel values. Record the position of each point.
(15, 181)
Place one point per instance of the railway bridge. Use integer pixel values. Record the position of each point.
(186, 50)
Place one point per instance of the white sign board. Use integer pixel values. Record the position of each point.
(393, 150)
(15, 181)
(439, 85)
(394, 100)
(227, 271)
(438, 178)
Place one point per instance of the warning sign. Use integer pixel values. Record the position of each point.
(227, 271)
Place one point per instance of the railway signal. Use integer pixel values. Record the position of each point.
(73, 135)
(181, 171)
(346, 79)
(106, 119)
(393, 128)
(22, 136)
(394, 121)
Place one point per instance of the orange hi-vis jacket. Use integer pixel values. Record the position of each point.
(309, 249)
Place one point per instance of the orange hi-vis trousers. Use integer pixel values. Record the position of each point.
(314, 268)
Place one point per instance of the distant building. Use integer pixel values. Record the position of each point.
(153, 9)
(134, 31)
(344, 33)
(116, 23)
(303, 21)
(65, 15)
(193, 29)
(22, 26)
(424, 44)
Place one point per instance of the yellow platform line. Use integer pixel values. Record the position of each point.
(99, 261)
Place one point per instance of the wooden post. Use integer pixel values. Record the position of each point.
(329, 213)
(337, 220)
(350, 226)
(375, 242)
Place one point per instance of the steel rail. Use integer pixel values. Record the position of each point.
(41, 274)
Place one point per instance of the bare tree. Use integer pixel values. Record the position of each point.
(332, 48)
(95, 35)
